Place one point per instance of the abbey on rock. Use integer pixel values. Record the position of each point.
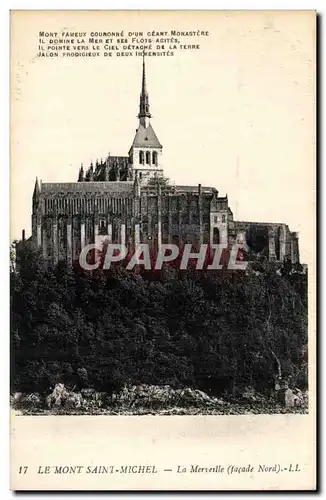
(125, 199)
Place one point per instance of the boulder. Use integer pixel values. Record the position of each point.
(152, 396)
(299, 398)
(203, 396)
(57, 397)
(249, 393)
(15, 398)
(192, 397)
(31, 400)
(73, 400)
(287, 398)
(34, 399)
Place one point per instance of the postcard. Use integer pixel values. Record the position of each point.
(163, 262)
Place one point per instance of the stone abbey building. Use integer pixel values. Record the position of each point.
(125, 199)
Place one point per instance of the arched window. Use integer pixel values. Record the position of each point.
(148, 158)
(216, 236)
(154, 158)
(223, 218)
(141, 157)
(102, 227)
(175, 239)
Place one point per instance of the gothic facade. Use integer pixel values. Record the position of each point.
(125, 199)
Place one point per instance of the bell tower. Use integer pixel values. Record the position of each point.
(146, 151)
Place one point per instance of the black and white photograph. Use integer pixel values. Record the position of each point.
(162, 219)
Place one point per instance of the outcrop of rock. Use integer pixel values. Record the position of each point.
(31, 400)
(157, 400)
(60, 396)
(153, 396)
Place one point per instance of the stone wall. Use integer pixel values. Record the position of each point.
(65, 219)
(273, 240)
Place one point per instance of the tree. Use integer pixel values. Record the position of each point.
(218, 331)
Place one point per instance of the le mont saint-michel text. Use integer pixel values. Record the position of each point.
(179, 469)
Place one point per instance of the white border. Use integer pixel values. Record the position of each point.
(318, 5)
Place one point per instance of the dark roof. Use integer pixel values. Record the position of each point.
(146, 137)
(112, 162)
(193, 189)
(241, 223)
(87, 187)
(117, 160)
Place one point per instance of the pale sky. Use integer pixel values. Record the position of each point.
(238, 114)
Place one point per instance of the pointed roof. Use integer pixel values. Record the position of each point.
(111, 187)
(143, 87)
(146, 137)
(144, 102)
(36, 188)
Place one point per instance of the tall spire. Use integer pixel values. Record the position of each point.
(143, 103)
(36, 195)
(81, 176)
(36, 189)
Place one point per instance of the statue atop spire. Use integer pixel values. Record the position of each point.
(143, 103)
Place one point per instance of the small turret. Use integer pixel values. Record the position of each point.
(37, 189)
(91, 172)
(106, 171)
(97, 169)
(136, 186)
(295, 255)
(81, 176)
(36, 195)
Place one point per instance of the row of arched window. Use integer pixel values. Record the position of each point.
(145, 157)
